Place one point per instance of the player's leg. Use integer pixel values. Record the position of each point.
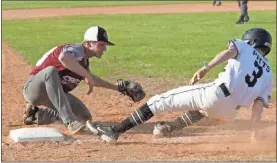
(240, 20)
(243, 12)
(35, 95)
(45, 89)
(79, 108)
(30, 114)
(184, 98)
(49, 114)
(238, 3)
(111, 133)
(187, 119)
(218, 3)
(214, 2)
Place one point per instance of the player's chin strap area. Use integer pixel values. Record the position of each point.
(248, 42)
(254, 45)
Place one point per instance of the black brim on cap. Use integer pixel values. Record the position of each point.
(109, 43)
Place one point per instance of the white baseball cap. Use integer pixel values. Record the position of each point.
(97, 33)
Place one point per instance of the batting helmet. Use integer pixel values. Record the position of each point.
(258, 37)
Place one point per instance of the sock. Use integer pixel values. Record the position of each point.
(187, 119)
(136, 118)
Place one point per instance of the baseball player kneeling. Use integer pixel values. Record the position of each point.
(59, 71)
(247, 78)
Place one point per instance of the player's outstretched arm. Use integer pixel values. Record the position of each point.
(130, 88)
(98, 82)
(223, 56)
(92, 80)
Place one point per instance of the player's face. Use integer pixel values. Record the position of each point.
(97, 49)
(100, 47)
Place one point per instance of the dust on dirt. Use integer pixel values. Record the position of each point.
(209, 140)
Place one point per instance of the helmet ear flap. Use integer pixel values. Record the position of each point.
(253, 42)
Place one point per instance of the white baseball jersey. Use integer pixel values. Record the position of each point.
(248, 76)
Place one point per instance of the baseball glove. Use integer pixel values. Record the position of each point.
(132, 89)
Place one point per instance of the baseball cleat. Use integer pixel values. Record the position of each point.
(243, 20)
(92, 127)
(161, 129)
(75, 126)
(105, 132)
(246, 19)
(214, 3)
(29, 114)
(240, 21)
(218, 4)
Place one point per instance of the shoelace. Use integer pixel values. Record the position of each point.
(73, 123)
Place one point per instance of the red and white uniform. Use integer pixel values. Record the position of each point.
(69, 79)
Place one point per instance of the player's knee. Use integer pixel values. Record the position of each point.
(31, 99)
(88, 117)
(156, 104)
(83, 116)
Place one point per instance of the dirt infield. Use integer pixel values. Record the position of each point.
(144, 9)
(209, 140)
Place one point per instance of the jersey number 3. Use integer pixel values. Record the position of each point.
(256, 75)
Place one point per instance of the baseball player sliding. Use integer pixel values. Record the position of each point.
(247, 78)
(59, 71)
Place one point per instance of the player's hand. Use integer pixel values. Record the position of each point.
(90, 84)
(198, 75)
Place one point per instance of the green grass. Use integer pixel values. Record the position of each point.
(158, 45)
(56, 4)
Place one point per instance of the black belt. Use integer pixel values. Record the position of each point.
(225, 90)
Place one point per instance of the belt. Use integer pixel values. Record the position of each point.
(225, 90)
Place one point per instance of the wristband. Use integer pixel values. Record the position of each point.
(206, 66)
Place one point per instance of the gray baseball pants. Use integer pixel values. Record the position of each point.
(45, 89)
(243, 8)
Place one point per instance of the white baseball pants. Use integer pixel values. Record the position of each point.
(208, 97)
